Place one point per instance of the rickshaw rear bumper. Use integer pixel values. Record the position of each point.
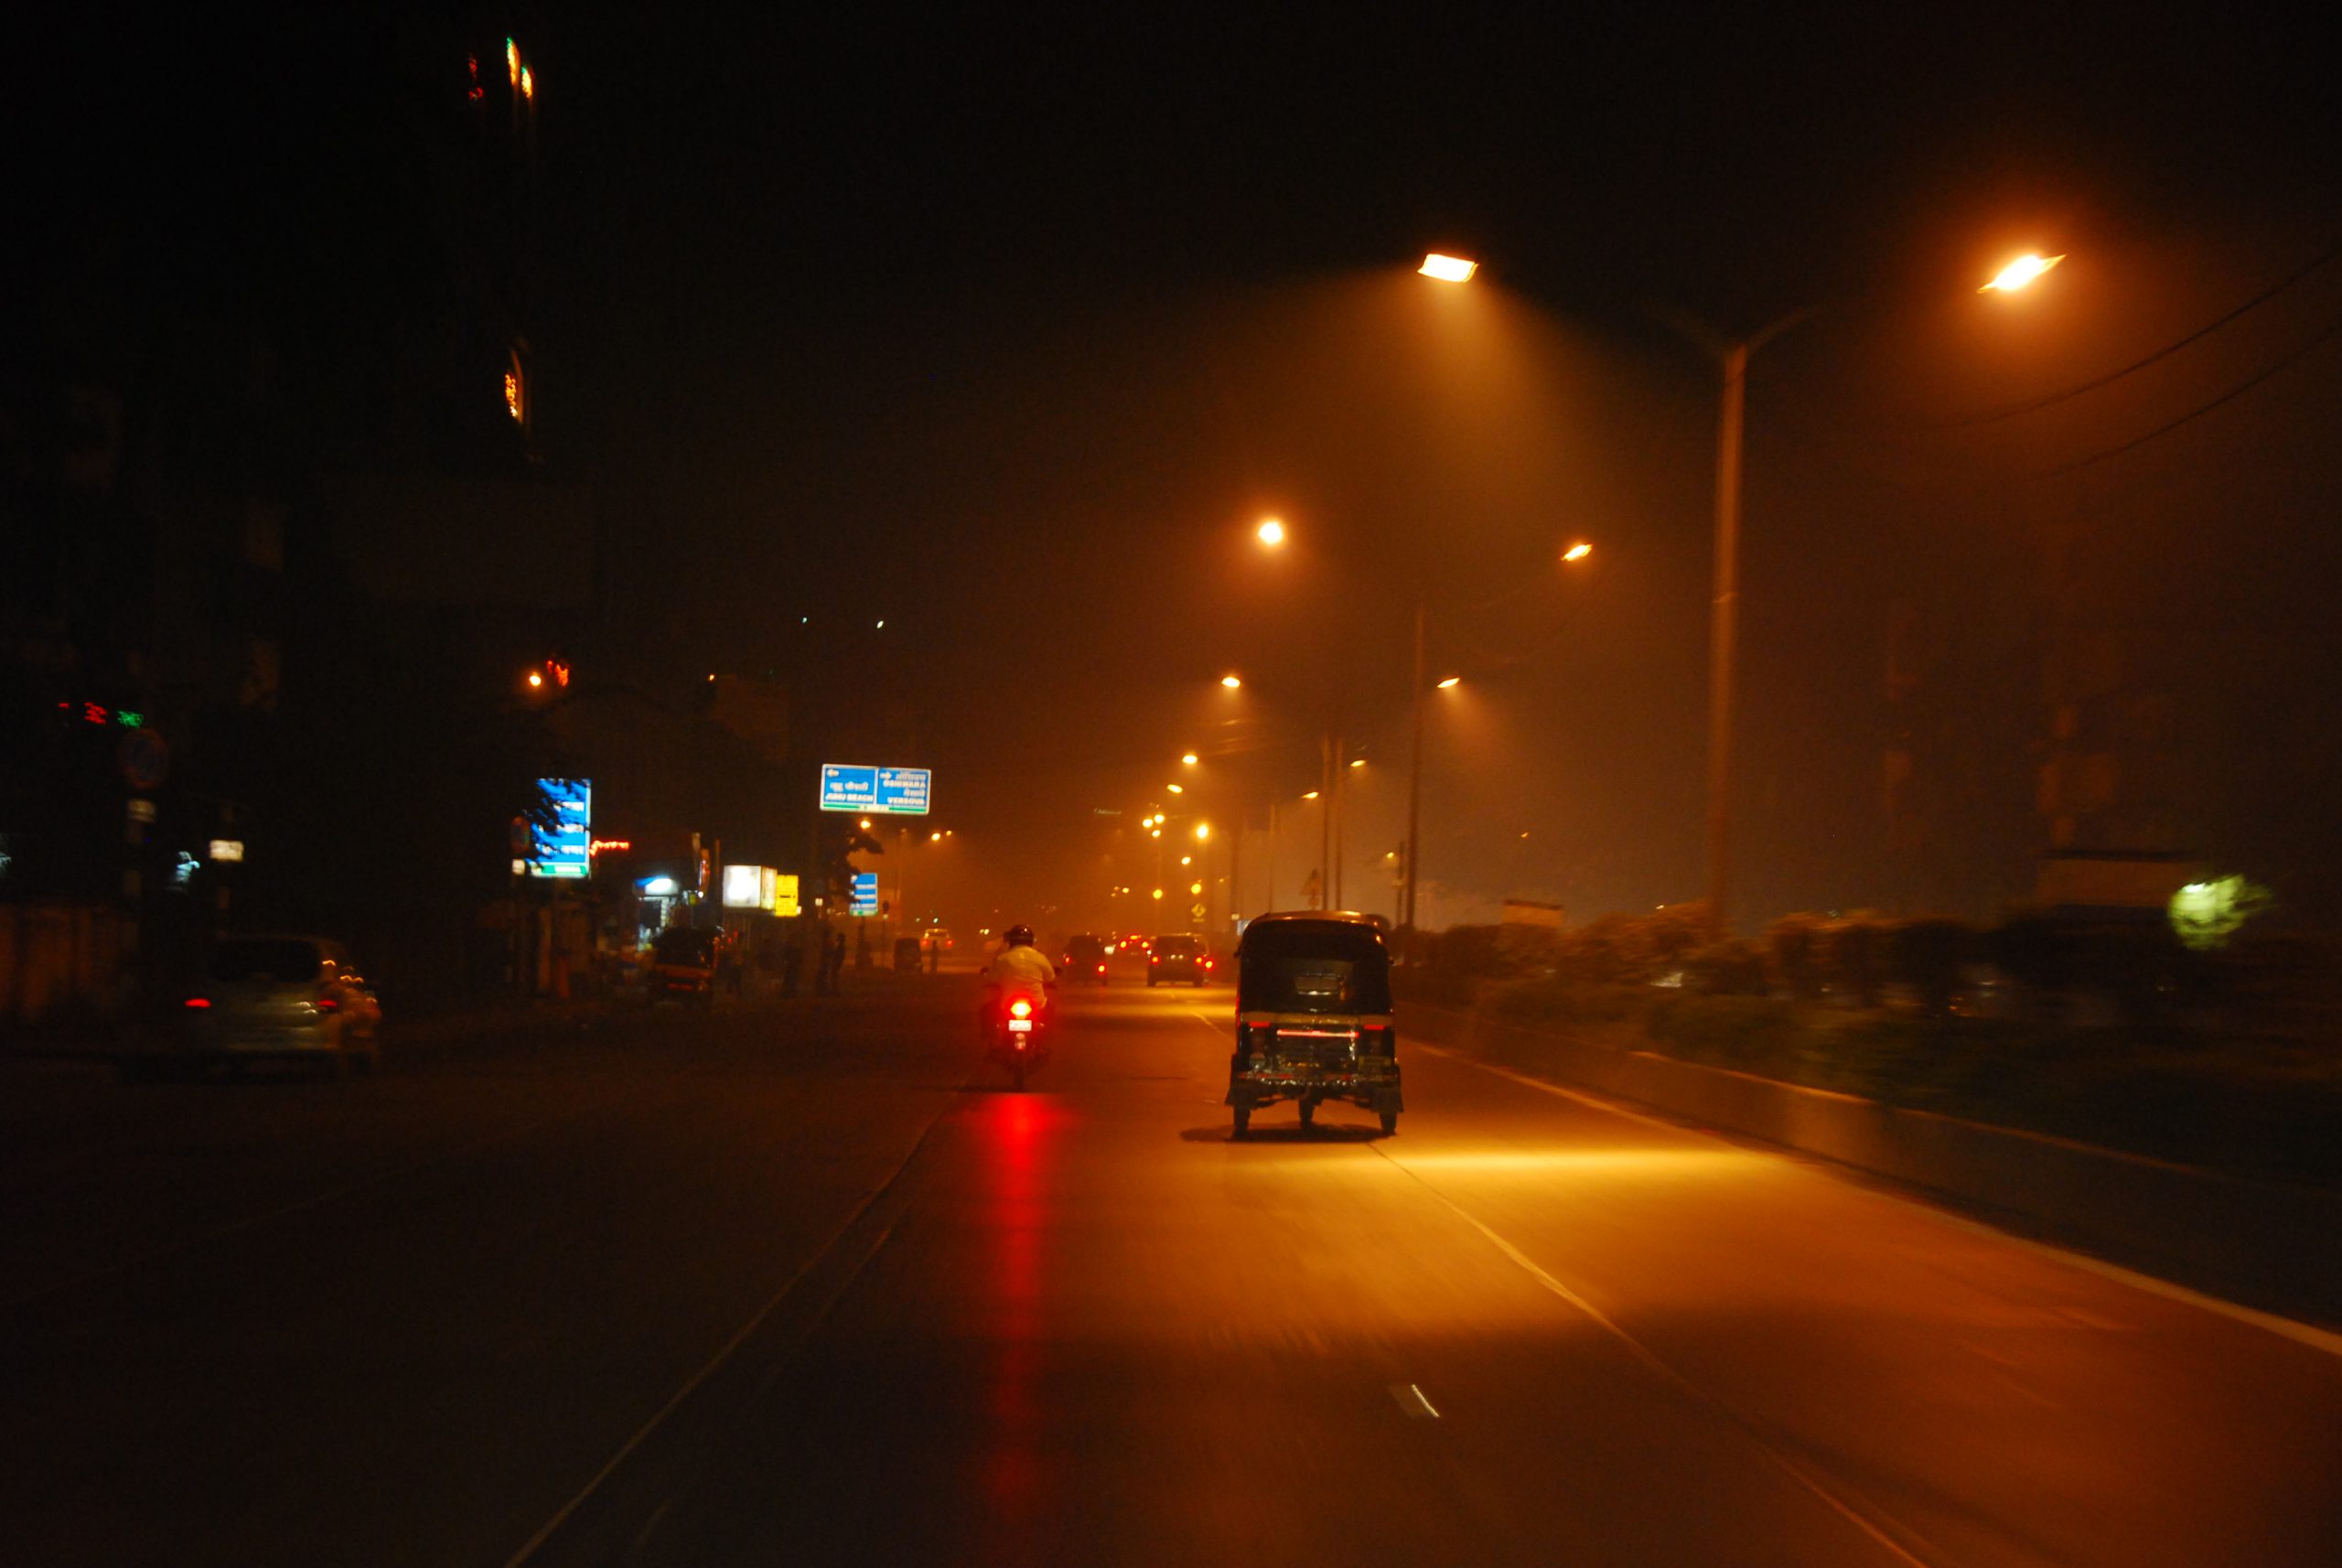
(1376, 1089)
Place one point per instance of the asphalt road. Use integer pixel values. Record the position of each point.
(801, 1285)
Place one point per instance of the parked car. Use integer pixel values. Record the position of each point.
(283, 996)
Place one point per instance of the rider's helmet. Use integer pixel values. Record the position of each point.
(1019, 936)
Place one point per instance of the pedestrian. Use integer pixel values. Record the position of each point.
(836, 961)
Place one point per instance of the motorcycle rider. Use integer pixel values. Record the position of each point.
(1018, 966)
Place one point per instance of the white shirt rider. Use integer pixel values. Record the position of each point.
(1020, 967)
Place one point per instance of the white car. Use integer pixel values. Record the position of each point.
(285, 997)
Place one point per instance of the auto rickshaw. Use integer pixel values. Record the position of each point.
(682, 965)
(1313, 1017)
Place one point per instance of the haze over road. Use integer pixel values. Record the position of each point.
(802, 1284)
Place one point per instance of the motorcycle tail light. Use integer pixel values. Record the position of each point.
(198, 1001)
(1020, 1008)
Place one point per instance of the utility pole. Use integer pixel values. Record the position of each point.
(1414, 779)
(1723, 628)
(1326, 820)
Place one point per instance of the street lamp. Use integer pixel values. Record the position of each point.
(1451, 682)
(1203, 832)
(2020, 273)
(1577, 551)
(1189, 759)
(1270, 532)
(1231, 681)
(1449, 269)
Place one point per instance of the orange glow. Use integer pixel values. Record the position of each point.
(560, 671)
(1577, 551)
(1177, 789)
(604, 846)
(2020, 273)
(1270, 532)
(1231, 681)
(1189, 758)
(1310, 795)
(1203, 832)
(1020, 1008)
(1358, 762)
(512, 394)
(513, 61)
(528, 83)
(1451, 682)
(1449, 269)
(535, 680)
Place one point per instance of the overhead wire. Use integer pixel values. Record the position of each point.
(2193, 414)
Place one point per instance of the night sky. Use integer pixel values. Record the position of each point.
(1004, 329)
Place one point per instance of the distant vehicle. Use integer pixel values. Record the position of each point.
(1084, 958)
(1135, 942)
(1179, 956)
(936, 938)
(682, 965)
(288, 997)
(1313, 1018)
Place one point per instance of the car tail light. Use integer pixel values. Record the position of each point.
(1020, 1008)
(1102, 969)
(198, 1001)
(327, 1004)
(1206, 963)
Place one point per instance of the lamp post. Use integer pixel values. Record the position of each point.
(1724, 604)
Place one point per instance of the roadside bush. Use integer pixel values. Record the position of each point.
(1608, 951)
(1799, 953)
(1542, 1000)
(1433, 985)
(1749, 1033)
(1854, 957)
(1928, 955)
(1732, 967)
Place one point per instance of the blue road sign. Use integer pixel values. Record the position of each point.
(566, 850)
(865, 892)
(875, 792)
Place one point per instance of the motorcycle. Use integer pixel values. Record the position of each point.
(1020, 1032)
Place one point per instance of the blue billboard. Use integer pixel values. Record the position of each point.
(566, 848)
(865, 892)
(875, 792)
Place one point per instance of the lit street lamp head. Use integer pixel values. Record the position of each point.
(1577, 551)
(1231, 681)
(1449, 269)
(2020, 273)
(1451, 682)
(1189, 757)
(1270, 532)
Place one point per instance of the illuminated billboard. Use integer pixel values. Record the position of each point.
(565, 850)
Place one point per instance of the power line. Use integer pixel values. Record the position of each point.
(2263, 297)
(2233, 392)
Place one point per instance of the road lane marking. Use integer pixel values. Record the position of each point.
(1665, 1372)
(1410, 1400)
(747, 1331)
(2305, 1334)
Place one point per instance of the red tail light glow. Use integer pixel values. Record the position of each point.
(1102, 969)
(198, 1001)
(326, 1004)
(1020, 1008)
